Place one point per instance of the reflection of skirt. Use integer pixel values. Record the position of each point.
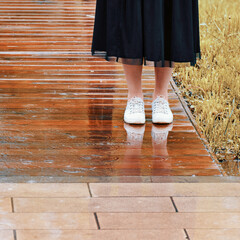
(153, 32)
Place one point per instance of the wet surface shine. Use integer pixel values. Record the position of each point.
(62, 109)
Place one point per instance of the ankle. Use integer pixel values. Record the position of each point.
(154, 96)
(133, 95)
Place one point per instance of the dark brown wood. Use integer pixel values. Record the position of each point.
(62, 109)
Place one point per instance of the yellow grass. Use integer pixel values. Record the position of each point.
(212, 89)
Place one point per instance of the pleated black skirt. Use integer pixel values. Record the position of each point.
(149, 32)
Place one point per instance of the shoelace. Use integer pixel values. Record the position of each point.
(160, 105)
(136, 105)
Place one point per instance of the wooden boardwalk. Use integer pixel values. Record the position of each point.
(62, 109)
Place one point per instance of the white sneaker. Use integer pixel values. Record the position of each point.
(135, 112)
(161, 112)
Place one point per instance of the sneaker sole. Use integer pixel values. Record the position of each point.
(162, 121)
(132, 121)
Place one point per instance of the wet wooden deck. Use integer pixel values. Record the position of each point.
(62, 109)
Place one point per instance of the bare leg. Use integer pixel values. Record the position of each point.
(133, 75)
(162, 79)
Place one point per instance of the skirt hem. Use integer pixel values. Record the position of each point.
(144, 61)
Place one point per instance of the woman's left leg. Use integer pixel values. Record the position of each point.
(162, 79)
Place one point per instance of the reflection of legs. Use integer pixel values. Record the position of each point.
(162, 79)
(132, 155)
(159, 139)
(133, 75)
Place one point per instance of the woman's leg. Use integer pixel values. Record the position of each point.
(162, 79)
(133, 75)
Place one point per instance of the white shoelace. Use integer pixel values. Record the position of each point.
(160, 105)
(136, 105)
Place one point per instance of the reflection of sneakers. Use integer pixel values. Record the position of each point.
(161, 112)
(134, 112)
(134, 134)
(161, 133)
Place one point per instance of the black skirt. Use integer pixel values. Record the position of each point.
(149, 32)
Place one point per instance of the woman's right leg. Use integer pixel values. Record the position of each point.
(133, 75)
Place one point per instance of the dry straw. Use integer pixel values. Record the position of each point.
(212, 89)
